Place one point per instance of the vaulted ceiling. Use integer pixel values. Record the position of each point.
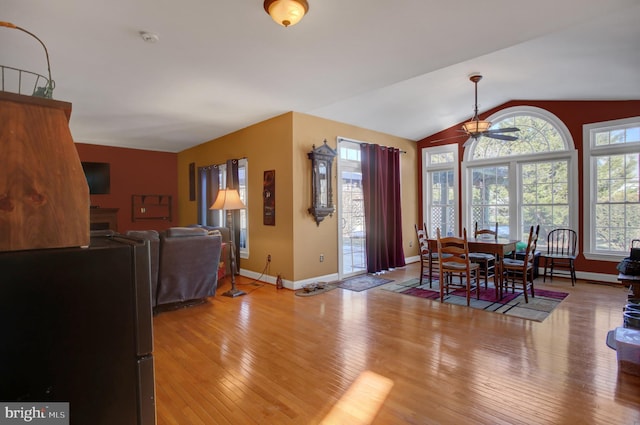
(397, 67)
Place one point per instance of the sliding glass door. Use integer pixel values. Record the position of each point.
(351, 231)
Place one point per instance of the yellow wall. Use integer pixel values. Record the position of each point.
(267, 146)
(281, 144)
(310, 240)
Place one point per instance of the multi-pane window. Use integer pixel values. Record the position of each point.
(612, 195)
(217, 174)
(525, 182)
(545, 194)
(244, 213)
(441, 189)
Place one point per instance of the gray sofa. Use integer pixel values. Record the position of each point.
(184, 263)
(226, 238)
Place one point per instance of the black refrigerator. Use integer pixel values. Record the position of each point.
(76, 326)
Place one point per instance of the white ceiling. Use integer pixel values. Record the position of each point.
(397, 67)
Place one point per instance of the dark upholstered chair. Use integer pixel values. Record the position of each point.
(188, 270)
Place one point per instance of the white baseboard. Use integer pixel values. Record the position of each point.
(299, 284)
(588, 276)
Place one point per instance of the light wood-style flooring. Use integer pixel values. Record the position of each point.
(271, 357)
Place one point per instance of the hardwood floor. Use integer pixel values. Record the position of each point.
(271, 357)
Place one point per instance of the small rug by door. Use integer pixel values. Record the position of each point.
(512, 304)
(317, 291)
(362, 282)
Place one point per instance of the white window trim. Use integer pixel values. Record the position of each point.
(589, 176)
(426, 168)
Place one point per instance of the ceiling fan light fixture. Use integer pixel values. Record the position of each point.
(286, 12)
(476, 126)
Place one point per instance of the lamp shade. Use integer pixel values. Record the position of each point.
(228, 199)
(286, 12)
(476, 126)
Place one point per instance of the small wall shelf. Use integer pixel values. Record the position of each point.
(150, 207)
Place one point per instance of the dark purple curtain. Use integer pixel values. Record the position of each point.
(382, 209)
(208, 183)
(233, 182)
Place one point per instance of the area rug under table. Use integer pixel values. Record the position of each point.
(362, 282)
(512, 304)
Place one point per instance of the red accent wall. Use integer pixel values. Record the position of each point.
(135, 172)
(574, 114)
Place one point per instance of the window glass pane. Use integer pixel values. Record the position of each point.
(617, 201)
(633, 134)
(441, 206)
(349, 154)
(244, 213)
(545, 195)
(616, 136)
(441, 158)
(490, 198)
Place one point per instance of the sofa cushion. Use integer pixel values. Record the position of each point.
(177, 232)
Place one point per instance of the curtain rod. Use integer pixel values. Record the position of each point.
(341, 139)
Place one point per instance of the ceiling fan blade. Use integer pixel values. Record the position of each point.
(500, 136)
(503, 130)
(448, 138)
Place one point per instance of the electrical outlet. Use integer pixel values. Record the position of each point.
(269, 258)
(410, 244)
(321, 258)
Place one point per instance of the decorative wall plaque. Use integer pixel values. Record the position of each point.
(269, 198)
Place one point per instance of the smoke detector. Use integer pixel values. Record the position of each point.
(149, 37)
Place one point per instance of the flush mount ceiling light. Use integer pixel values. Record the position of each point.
(286, 12)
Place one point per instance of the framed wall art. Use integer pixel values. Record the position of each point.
(269, 198)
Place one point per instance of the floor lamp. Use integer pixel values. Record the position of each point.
(229, 200)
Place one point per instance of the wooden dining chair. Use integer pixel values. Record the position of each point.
(561, 253)
(425, 254)
(487, 262)
(428, 258)
(456, 270)
(520, 272)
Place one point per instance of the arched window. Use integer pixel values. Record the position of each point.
(522, 183)
(537, 135)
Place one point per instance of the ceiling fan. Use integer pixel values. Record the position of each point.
(476, 128)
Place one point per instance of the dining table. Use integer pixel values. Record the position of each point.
(499, 247)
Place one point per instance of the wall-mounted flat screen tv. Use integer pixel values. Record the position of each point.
(98, 177)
